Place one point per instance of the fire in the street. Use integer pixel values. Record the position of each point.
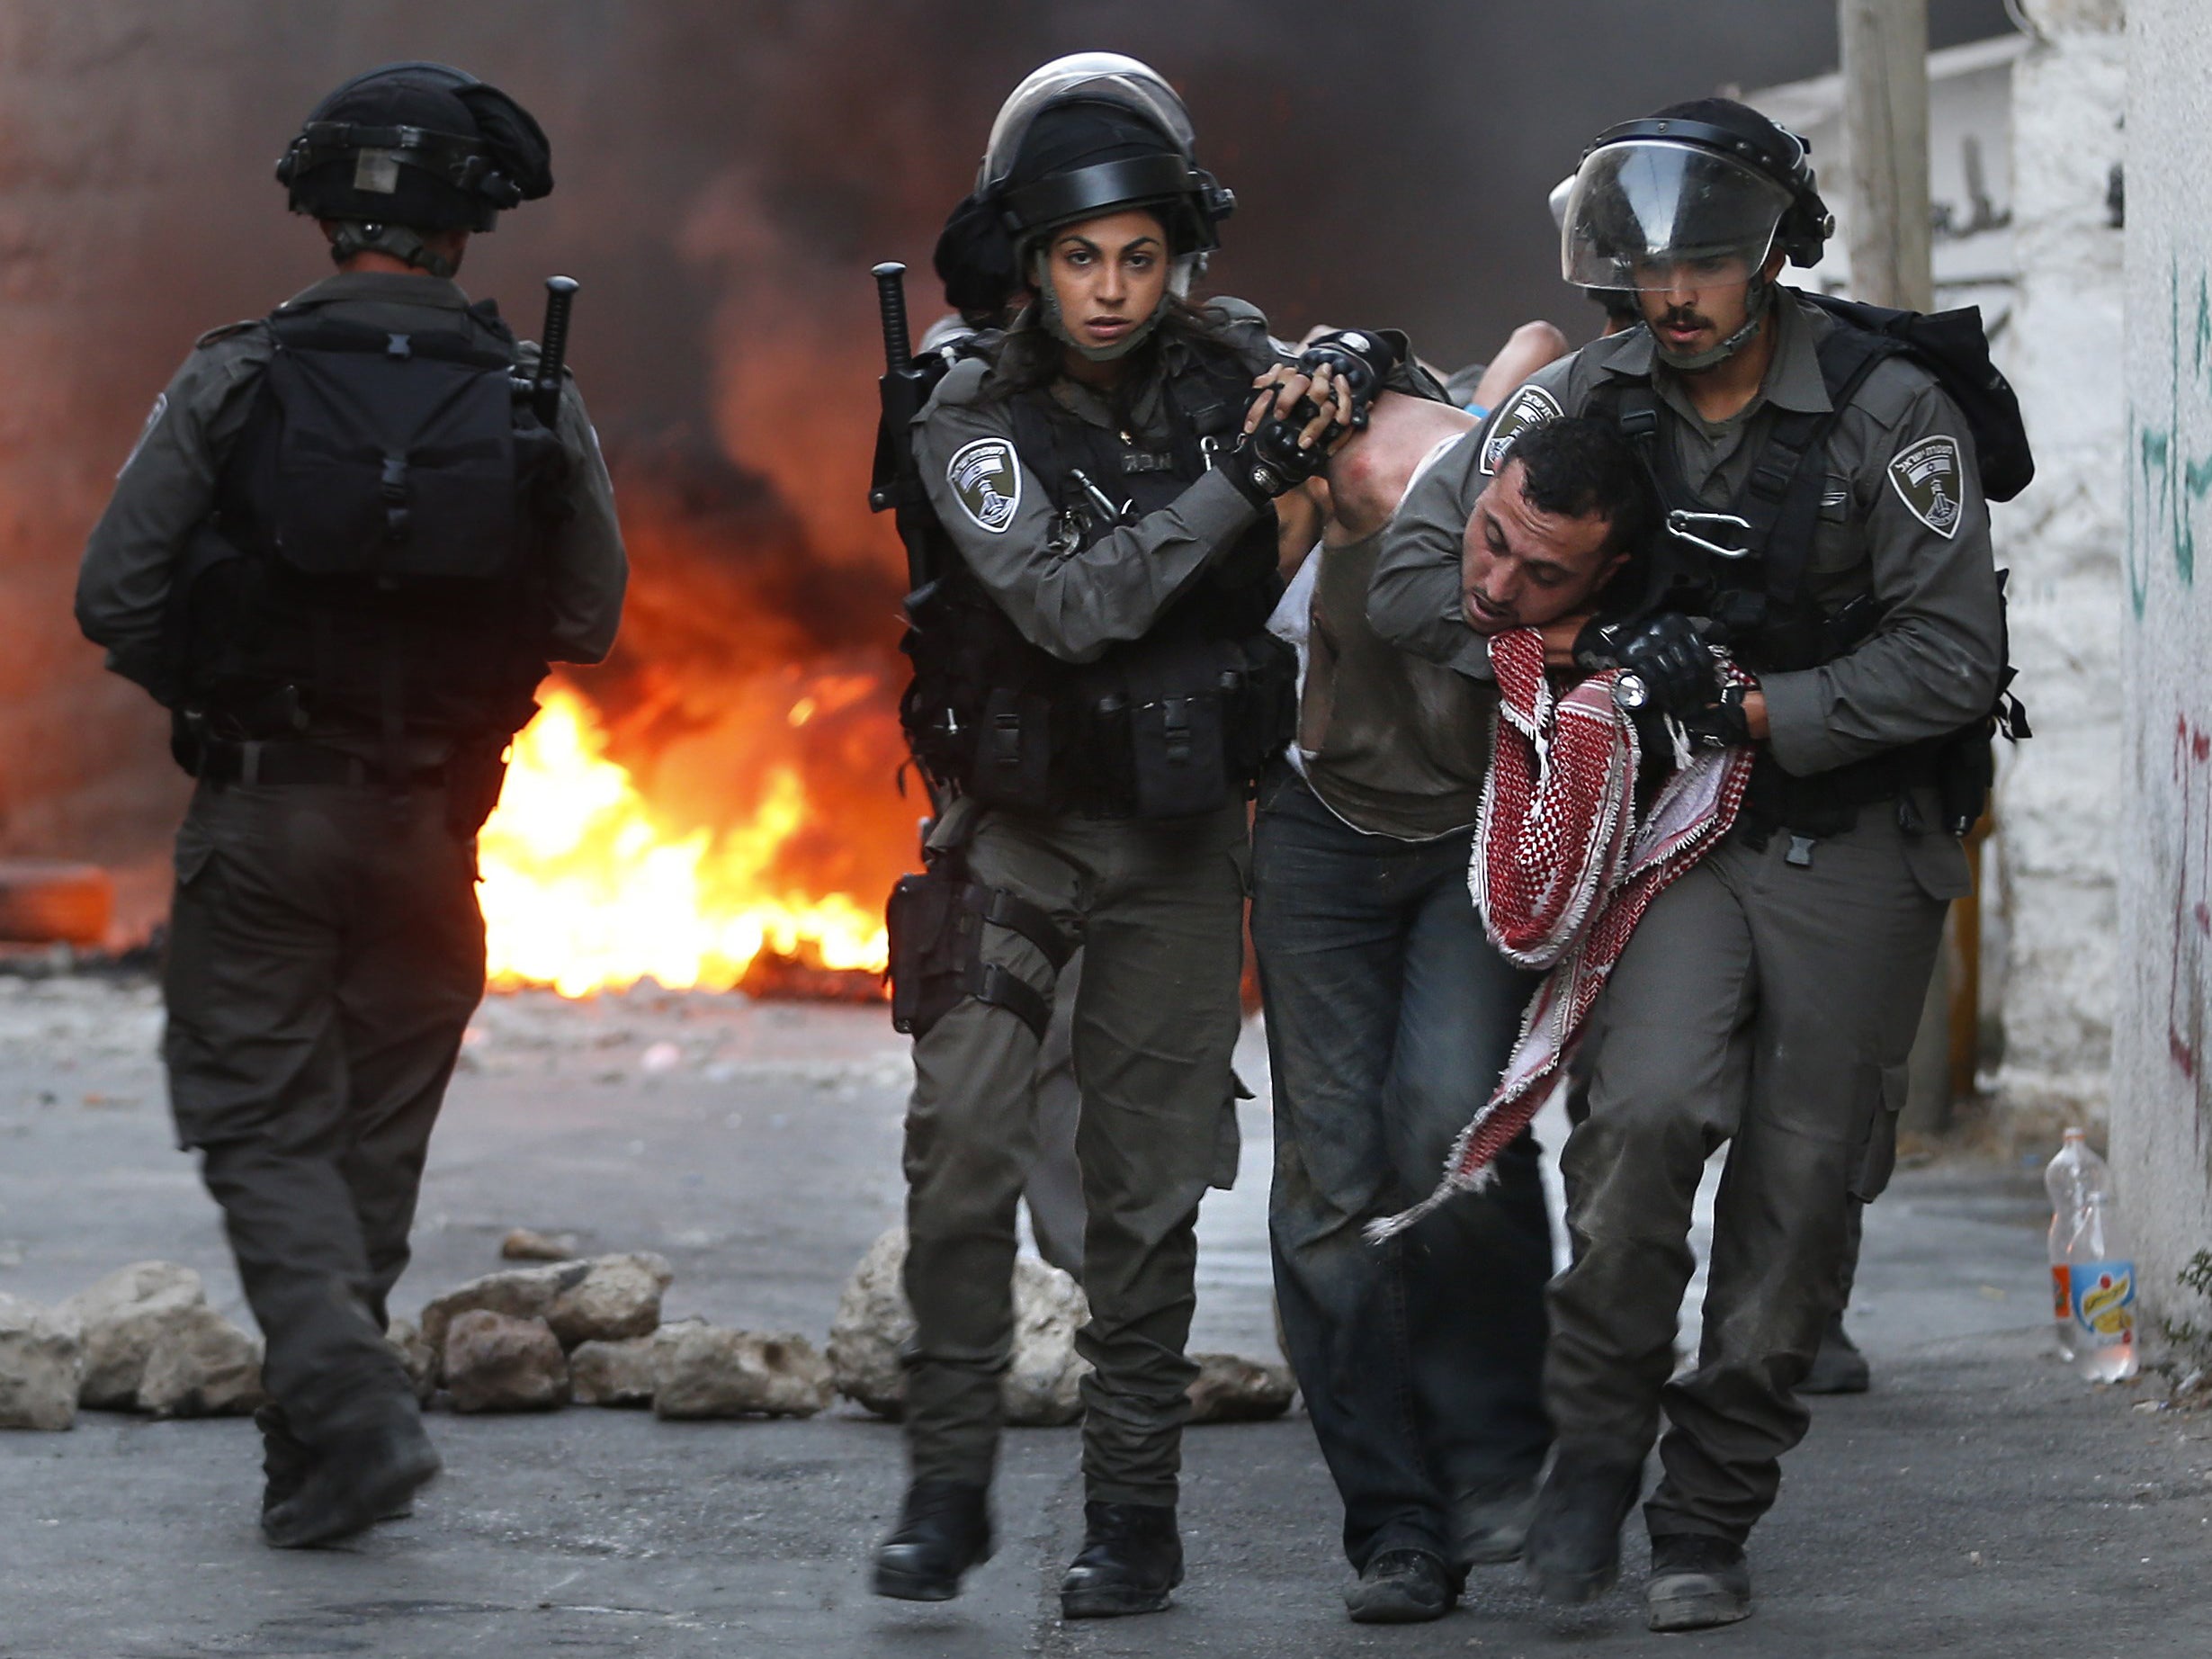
(585, 889)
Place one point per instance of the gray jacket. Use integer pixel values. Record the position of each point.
(1933, 661)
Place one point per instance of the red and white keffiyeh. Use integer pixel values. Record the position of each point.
(1564, 870)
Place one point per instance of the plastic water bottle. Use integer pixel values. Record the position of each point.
(2092, 1270)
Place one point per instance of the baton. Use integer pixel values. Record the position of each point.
(553, 349)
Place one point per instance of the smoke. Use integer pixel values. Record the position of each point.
(728, 170)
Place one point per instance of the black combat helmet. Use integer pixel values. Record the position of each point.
(414, 146)
(1085, 135)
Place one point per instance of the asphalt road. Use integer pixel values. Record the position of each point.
(1980, 1502)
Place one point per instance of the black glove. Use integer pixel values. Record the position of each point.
(1666, 658)
(1268, 462)
(1723, 725)
(1362, 360)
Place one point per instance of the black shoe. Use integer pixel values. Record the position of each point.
(358, 1476)
(1402, 1587)
(1839, 1368)
(285, 1458)
(944, 1530)
(1493, 1525)
(1696, 1581)
(1132, 1558)
(1573, 1552)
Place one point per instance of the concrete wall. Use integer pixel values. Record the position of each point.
(2162, 1103)
(2049, 873)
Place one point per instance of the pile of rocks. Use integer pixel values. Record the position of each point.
(588, 1330)
(143, 1339)
(534, 1339)
(1042, 1383)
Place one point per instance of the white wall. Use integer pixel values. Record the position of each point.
(2162, 1102)
(2049, 873)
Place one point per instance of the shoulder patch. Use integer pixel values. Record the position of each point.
(1929, 478)
(1531, 405)
(987, 480)
(153, 419)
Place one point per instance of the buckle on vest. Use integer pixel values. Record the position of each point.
(1681, 521)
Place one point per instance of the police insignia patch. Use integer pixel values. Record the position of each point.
(987, 480)
(1531, 405)
(1930, 480)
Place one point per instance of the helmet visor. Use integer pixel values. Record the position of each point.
(1650, 213)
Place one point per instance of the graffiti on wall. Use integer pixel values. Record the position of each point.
(2167, 483)
(2192, 906)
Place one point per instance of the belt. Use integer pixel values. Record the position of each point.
(225, 762)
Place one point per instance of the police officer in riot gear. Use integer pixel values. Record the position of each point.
(1832, 528)
(1095, 691)
(350, 540)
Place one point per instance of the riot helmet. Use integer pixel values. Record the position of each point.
(1712, 185)
(410, 147)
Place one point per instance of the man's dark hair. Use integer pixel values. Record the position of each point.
(1581, 468)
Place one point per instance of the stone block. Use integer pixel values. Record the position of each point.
(614, 1373)
(1230, 1388)
(42, 1363)
(202, 1366)
(705, 1371)
(123, 1317)
(495, 1362)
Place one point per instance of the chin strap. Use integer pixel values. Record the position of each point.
(1056, 325)
(1758, 296)
(353, 236)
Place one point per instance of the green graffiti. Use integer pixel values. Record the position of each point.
(2170, 484)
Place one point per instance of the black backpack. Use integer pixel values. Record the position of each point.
(374, 559)
(1953, 346)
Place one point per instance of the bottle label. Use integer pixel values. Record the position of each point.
(2061, 1292)
(2104, 1301)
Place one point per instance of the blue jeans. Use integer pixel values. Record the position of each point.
(1389, 1018)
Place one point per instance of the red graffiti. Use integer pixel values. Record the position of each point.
(2192, 902)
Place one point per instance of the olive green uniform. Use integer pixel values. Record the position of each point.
(326, 950)
(1157, 907)
(1768, 998)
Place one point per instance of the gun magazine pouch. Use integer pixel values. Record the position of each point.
(936, 920)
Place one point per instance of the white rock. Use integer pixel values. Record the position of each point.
(495, 1363)
(42, 1363)
(614, 1373)
(874, 1325)
(122, 1317)
(202, 1366)
(704, 1371)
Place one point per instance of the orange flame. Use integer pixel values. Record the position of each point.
(585, 889)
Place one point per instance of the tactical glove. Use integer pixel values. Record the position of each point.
(1361, 360)
(1665, 665)
(1268, 462)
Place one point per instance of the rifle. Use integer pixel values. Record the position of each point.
(905, 387)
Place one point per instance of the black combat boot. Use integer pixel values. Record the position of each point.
(1402, 1587)
(285, 1458)
(1573, 1552)
(363, 1472)
(944, 1530)
(1696, 1581)
(1131, 1558)
(1839, 1368)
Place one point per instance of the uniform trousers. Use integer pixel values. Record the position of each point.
(1769, 1005)
(325, 951)
(1389, 1017)
(1158, 909)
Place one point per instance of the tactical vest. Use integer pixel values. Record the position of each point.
(1180, 722)
(374, 562)
(1772, 623)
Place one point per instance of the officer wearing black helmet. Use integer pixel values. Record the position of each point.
(351, 538)
(1830, 525)
(1094, 692)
